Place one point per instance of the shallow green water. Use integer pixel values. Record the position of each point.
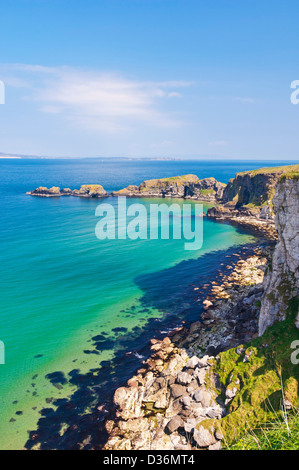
(60, 286)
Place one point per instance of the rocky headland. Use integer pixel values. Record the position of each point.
(247, 199)
(186, 187)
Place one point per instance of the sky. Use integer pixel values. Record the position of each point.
(149, 78)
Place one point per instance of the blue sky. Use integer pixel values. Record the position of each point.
(181, 78)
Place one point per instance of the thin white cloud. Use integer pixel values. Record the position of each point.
(93, 100)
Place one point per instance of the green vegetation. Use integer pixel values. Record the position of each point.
(281, 434)
(92, 188)
(294, 175)
(263, 379)
(205, 192)
(164, 182)
(287, 170)
(173, 179)
(256, 188)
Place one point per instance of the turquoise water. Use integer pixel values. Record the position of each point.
(61, 286)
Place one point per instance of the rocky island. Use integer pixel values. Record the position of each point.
(246, 200)
(186, 187)
(87, 190)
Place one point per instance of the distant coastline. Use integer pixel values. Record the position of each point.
(165, 158)
(8, 157)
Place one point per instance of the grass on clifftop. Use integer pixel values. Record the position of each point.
(281, 434)
(178, 180)
(262, 382)
(288, 169)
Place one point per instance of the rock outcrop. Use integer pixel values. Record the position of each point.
(205, 384)
(87, 190)
(232, 308)
(187, 187)
(248, 199)
(164, 411)
(174, 402)
(282, 280)
(246, 218)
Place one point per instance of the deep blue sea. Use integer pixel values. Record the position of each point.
(73, 307)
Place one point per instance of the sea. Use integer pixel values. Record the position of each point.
(77, 313)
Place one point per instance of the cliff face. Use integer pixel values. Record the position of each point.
(251, 188)
(207, 189)
(282, 280)
(187, 186)
(248, 199)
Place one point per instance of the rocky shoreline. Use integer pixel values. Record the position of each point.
(205, 379)
(163, 405)
(206, 384)
(96, 389)
(246, 200)
(253, 222)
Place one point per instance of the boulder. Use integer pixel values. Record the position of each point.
(177, 390)
(204, 397)
(204, 437)
(193, 362)
(230, 393)
(190, 424)
(175, 423)
(183, 378)
(217, 446)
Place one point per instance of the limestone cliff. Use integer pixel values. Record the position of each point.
(187, 187)
(248, 199)
(282, 280)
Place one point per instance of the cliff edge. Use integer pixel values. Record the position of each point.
(282, 279)
(248, 199)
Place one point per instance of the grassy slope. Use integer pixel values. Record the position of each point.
(281, 434)
(179, 180)
(259, 199)
(259, 380)
(278, 169)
